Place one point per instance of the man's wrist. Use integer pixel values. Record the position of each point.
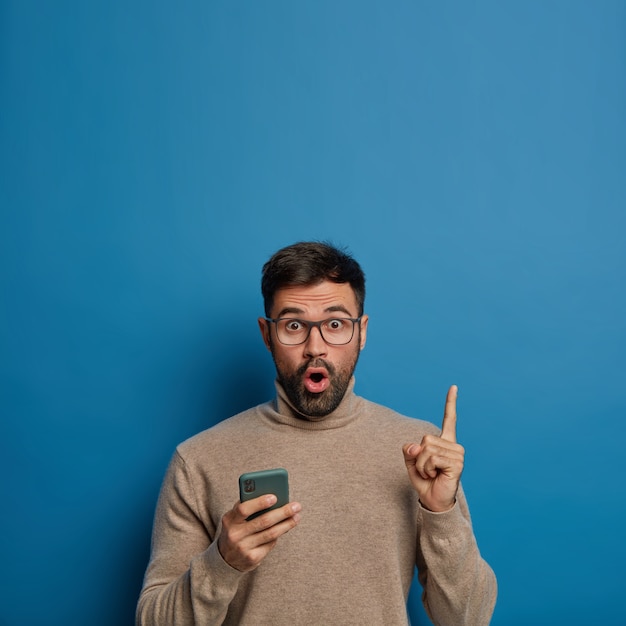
(438, 509)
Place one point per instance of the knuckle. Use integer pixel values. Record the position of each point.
(272, 533)
(259, 523)
(234, 512)
(230, 536)
(252, 559)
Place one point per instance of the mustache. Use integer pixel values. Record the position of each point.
(315, 363)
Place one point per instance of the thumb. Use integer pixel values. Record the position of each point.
(410, 452)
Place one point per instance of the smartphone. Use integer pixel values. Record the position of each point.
(255, 484)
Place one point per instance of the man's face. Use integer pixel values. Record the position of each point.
(315, 374)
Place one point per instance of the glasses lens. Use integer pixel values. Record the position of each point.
(337, 331)
(291, 331)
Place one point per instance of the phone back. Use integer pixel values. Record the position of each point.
(255, 484)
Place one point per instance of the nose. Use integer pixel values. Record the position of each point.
(315, 346)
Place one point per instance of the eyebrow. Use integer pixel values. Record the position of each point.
(296, 311)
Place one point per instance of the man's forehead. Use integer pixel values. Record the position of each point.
(325, 296)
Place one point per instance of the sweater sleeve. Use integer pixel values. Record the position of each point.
(459, 587)
(187, 581)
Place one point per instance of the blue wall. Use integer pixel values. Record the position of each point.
(471, 155)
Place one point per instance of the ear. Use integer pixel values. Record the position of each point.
(364, 321)
(264, 327)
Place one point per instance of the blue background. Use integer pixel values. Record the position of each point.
(472, 155)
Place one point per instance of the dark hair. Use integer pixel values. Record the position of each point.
(309, 263)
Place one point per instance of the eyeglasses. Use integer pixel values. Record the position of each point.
(336, 331)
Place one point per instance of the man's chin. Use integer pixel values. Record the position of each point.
(315, 405)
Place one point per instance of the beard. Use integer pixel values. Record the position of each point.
(320, 404)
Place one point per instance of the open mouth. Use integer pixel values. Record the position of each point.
(316, 380)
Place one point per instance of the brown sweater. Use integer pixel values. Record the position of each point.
(352, 557)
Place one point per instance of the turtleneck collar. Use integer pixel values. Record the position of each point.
(346, 412)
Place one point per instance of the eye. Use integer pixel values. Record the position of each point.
(293, 326)
(335, 325)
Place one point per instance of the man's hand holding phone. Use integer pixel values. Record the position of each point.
(251, 529)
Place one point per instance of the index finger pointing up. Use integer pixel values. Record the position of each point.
(448, 428)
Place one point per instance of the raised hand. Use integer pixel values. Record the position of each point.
(244, 544)
(435, 464)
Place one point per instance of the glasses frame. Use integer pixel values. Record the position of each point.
(318, 325)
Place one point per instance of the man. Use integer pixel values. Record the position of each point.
(343, 551)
